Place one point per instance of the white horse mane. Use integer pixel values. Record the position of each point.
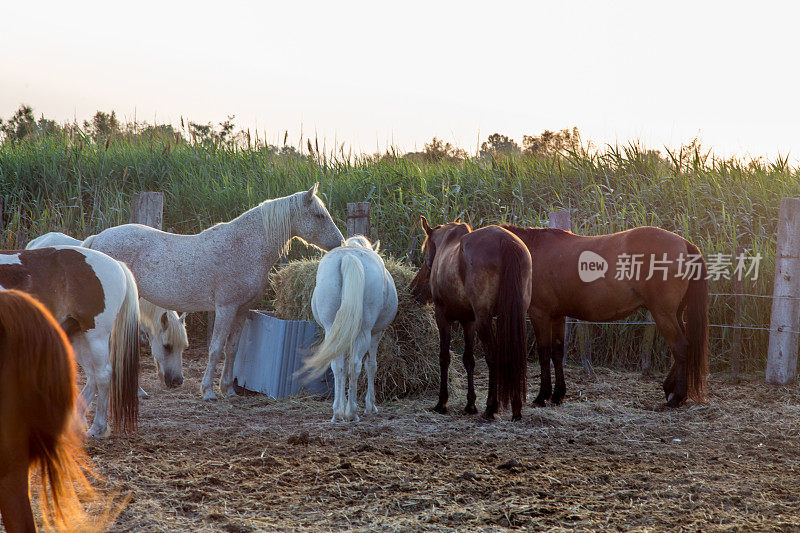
(151, 315)
(276, 214)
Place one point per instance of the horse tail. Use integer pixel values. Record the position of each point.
(37, 404)
(124, 349)
(511, 337)
(347, 324)
(696, 300)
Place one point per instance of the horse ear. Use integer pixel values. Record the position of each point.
(431, 253)
(457, 220)
(182, 318)
(425, 226)
(310, 193)
(164, 321)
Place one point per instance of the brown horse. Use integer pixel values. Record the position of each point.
(656, 269)
(38, 422)
(473, 276)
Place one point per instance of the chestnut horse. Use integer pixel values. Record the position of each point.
(656, 269)
(39, 428)
(472, 277)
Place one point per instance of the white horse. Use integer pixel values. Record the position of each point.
(166, 331)
(94, 299)
(355, 300)
(224, 269)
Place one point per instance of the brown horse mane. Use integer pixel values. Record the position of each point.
(534, 235)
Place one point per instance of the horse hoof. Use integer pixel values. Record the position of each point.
(372, 411)
(97, 433)
(538, 403)
(439, 408)
(210, 396)
(516, 418)
(487, 416)
(470, 410)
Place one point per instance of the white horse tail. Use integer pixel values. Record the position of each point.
(124, 348)
(347, 324)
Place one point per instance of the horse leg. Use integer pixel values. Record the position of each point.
(83, 356)
(557, 357)
(226, 380)
(101, 368)
(372, 369)
(356, 361)
(444, 326)
(543, 329)
(15, 503)
(469, 365)
(224, 317)
(339, 379)
(486, 335)
(675, 383)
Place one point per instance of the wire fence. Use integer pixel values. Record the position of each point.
(760, 327)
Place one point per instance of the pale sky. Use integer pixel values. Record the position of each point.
(375, 73)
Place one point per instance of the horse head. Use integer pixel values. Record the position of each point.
(420, 285)
(168, 345)
(313, 222)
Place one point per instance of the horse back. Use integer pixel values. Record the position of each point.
(62, 280)
(604, 277)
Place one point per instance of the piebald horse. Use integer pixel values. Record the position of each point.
(39, 429)
(472, 277)
(94, 299)
(224, 269)
(166, 331)
(354, 300)
(665, 274)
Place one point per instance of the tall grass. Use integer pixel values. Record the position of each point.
(79, 187)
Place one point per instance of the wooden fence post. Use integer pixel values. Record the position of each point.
(358, 219)
(782, 351)
(736, 342)
(148, 208)
(561, 220)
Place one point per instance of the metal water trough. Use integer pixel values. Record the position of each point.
(271, 352)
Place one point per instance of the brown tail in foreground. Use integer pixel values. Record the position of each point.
(39, 428)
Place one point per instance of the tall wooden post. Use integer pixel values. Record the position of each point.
(561, 220)
(358, 219)
(782, 350)
(148, 208)
(736, 342)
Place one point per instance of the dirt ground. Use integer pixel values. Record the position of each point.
(609, 458)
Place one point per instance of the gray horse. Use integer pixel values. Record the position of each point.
(224, 269)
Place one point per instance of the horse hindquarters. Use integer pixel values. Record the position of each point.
(344, 336)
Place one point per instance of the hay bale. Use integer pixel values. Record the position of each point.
(408, 360)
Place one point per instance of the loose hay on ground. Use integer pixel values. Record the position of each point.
(407, 354)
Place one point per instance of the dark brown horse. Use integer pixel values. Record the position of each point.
(655, 269)
(473, 276)
(39, 427)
